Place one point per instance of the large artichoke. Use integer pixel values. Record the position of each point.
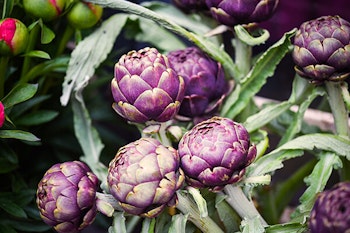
(215, 153)
(2, 114)
(204, 80)
(66, 197)
(233, 12)
(331, 211)
(322, 49)
(146, 88)
(144, 176)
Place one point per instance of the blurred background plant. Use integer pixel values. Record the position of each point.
(57, 99)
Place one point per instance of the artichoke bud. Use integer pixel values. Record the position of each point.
(215, 153)
(84, 15)
(204, 80)
(331, 211)
(2, 114)
(144, 177)
(322, 49)
(146, 88)
(233, 12)
(47, 10)
(13, 37)
(66, 196)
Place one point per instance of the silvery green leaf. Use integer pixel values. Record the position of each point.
(178, 223)
(118, 225)
(200, 201)
(252, 225)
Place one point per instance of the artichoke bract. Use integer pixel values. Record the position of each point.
(2, 114)
(215, 153)
(145, 87)
(14, 37)
(66, 196)
(233, 12)
(204, 80)
(331, 211)
(322, 49)
(144, 177)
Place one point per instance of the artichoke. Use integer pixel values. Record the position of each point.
(322, 49)
(233, 12)
(84, 15)
(66, 197)
(13, 37)
(215, 153)
(204, 80)
(146, 88)
(2, 114)
(331, 211)
(144, 176)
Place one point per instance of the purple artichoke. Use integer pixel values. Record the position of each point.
(331, 211)
(146, 88)
(204, 80)
(2, 114)
(233, 12)
(66, 197)
(322, 49)
(13, 37)
(215, 153)
(144, 176)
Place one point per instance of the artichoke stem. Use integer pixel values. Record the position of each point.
(187, 206)
(244, 207)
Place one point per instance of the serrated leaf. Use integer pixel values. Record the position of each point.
(263, 68)
(12, 208)
(89, 54)
(18, 134)
(37, 117)
(18, 94)
(38, 54)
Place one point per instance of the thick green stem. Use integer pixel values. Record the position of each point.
(187, 206)
(240, 203)
(3, 70)
(243, 57)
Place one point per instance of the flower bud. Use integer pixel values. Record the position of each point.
(13, 37)
(84, 15)
(47, 10)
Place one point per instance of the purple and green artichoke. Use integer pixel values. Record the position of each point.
(331, 211)
(146, 88)
(84, 15)
(215, 153)
(2, 114)
(144, 177)
(66, 197)
(46, 10)
(204, 79)
(322, 49)
(13, 37)
(233, 12)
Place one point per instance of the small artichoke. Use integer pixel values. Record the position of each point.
(215, 153)
(146, 88)
(66, 197)
(204, 80)
(331, 211)
(144, 177)
(13, 37)
(84, 15)
(47, 10)
(2, 114)
(322, 49)
(233, 12)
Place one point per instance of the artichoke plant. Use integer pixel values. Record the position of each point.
(322, 49)
(204, 80)
(2, 114)
(66, 196)
(13, 37)
(215, 153)
(146, 88)
(331, 211)
(144, 176)
(233, 12)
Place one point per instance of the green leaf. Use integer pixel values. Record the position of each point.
(227, 215)
(316, 182)
(6, 229)
(178, 223)
(12, 208)
(118, 225)
(245, 36)
(252, 225)
(38, 54)
(89, 54)
(263, 68)
(18, 94)
(37, 117)
(30, 226)
(18, 134)
(286, 228)
(47, 35)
